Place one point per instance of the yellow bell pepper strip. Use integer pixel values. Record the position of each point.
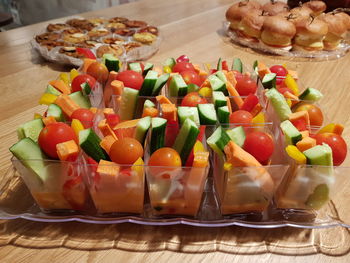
(258, 119)
(67, 151)
(47, 99)
(200, 159)
(289, 102)
(138, 167)
(65, 78)
(77, 126)
(333, 128)
(167, 69)
(198, 147)
(61, 86)
(295, 154)
(73, 73)
(291, 84)
(205, 92)
(67, 105)
(228, 166)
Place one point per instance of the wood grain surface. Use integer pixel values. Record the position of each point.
(187, 27)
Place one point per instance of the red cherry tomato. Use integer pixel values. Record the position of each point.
(99, 71)
(246, 86)
(85, 116)
(126, 151)
(131, 79)
(280, 81)
(53, 134)
(183, 66)
(337, 143)
(315, 113)
(224, 65)
(241, 117)
(80, 79)
(283, 90)
(238, 75)
(183, 58)
(191, 77)
(260, 145)
(279, 70)
(193, 99)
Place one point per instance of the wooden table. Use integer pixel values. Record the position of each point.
(188, 27)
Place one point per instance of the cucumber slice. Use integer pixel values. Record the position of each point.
(112, 63)
(160, 84)
(223, 114)
(221, 76)
(219, 65)
(207, 114)
(56, 112)
(188, 112)
(30, 155)
(237, 135)
(170, 62)
(186, 139)
(219, 99)
(135, 66)
(80, 99)
(319, 197)
(192, 88)
(149, 104)
(237, 65)
(178, 86)
(319, 155)
(128, 103)
(142, 128)
(216, 83)
(90, 143)
(51, 90)
(269, 81)
(148, 83)
(311, 94)
(279, 104)
(148, 67)
(255, 66)
(30, 129)
(218, 140)
(158, 133)
(85, 88)
(291, 133)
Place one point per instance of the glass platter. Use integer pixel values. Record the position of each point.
(335, 214)
(261, 47)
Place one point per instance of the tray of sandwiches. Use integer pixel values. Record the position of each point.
(305, 31)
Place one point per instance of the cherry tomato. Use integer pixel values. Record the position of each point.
(224, 65)
(238, 75)
(241, 117)
(53, 134)
(80, 79)
(183, 58)
(85, 116)
(260, 145)
(126, 151)
(315, 114)
(246, 86)
(131, 79)
(164, 157)
(337, 143)
(284, 89)
(183, 66)
(99, 71)
(279, 70)
(190, 76)
(192, 99)
(280, 81)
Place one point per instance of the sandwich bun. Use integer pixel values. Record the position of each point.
(336, 31)
(236, 12)
(345, 17)
(277, 31)
(252, 23)
(300, 14)
(317, 7)
(275, 8)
